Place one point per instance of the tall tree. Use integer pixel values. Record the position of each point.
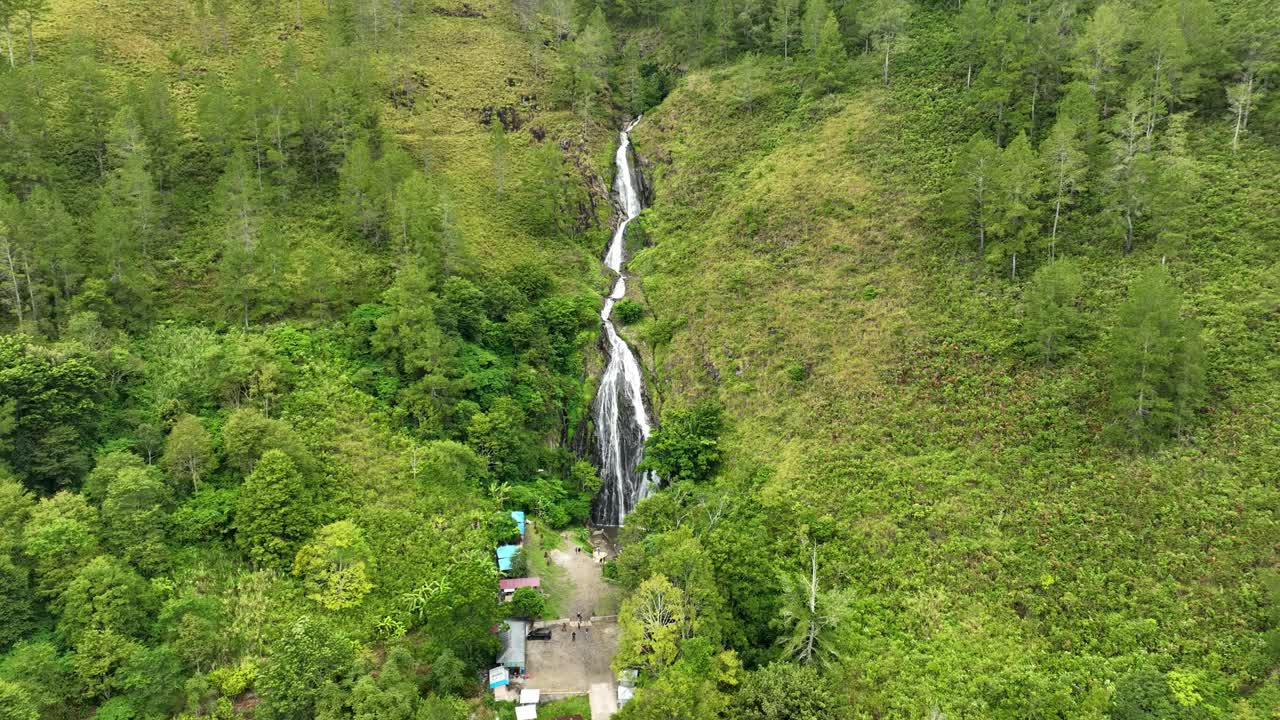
(1130, 168)
(32, 12)
(302, 666)
(887, 23)
(87, 115)
(105, 596)
(152, 105)
(809, 615)
(785, 25)
(1163, 56)
(127, 216)
(418, 226)
(1080, 107)
(1003, 67)
(247, 434)
(594, 53)
(188, 452)
(276, 510)
(11, 257)
(51, 408)
(1157, 363)
(253, 250)
(830, 57)
(653, 624)
(1170, 187)
(1065, 162)
(1099, 48)
(60, 538)
(265, 121)
(1019, 181)
(1207, 45)
(1047, 52)
(17, 604)
(135, 515)
(973, 24)
(815, 16)
(1255, 42)
(1050, 317)
(1241, 98)
(8, 9)
(971, 201)
(336, 566)
(56, 263)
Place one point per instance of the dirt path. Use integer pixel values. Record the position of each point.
(576, 659)
(590, 595)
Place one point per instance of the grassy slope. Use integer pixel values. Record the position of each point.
(985, 537)
(462, 65)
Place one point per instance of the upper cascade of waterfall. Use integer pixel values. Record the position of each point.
(628, 197)
(621, 419)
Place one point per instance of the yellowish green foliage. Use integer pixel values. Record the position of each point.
(336, 565)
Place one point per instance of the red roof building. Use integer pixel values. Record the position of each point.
(510, 585)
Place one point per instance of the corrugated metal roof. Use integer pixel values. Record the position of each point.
(513, 583)
(513, 643)
(505, 552)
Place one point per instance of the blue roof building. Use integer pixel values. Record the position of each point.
(518, 516)
(505, 553)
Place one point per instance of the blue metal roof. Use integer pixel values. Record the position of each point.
(505, 552)
(518, 516)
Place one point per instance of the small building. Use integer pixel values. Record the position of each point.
(508, 586)
(512, 638)
(505, 553)
(518, 516)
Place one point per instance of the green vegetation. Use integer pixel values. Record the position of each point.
(987, 313)
(686, 447)
(958, 319)
(628, 311)
(527, 603)
(556, 586)
(568, 707)
(294, 312)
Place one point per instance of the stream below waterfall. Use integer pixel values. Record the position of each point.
(621, 418)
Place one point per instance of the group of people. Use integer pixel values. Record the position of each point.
(578, 625)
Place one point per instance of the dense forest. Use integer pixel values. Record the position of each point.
(289, 319)
(959, 322)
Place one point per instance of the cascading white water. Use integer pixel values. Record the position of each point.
(621, 421)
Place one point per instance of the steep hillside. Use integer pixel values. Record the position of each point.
(299, 301)
(436, 110)
(984, 546)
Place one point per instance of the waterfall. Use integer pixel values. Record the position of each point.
(621, 420)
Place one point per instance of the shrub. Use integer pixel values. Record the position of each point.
(797, 372)
(527, 603)
(628, 311)
(687, 445)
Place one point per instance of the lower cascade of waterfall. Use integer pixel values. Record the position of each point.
(621, 420)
